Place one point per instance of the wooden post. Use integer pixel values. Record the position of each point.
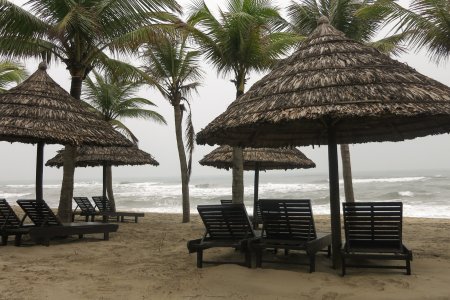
(39, 171)
(255, 196)
(104, 181)
(334, 196)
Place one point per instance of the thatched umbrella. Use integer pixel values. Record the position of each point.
(39, 111)
(259, 159)
(333, 90)
(94, 156)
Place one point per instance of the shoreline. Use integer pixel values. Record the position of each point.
(149, 260)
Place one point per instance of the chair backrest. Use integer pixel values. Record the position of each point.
(287, 219)
(373, 224)
(102, 203)
(84, 204)
(8, 218)
(226, 201)
(226, 221)
(39, 213)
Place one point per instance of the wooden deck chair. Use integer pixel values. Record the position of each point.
(84, 208)
(105, 209)
(255, 221)
(289, 225)
(227, 225)
(373, 230)
(48, 225)
(10, 224)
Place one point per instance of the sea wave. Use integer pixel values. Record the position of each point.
(392, 179)
(406, 194)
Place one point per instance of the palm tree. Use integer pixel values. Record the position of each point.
(175, 71)
(426, 24)
(343, 15)
(10, 72)
(247, 37)
(77, 33)
(115, 99)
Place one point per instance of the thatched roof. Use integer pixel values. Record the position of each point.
(39, 110)
(264, 158)
(93, 156)
(332, 79)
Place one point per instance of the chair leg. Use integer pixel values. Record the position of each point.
(106, 236)
(87, 218)
(199, 258)
(80, 236)
(343, 265)
(259, 258)
(312, 263)
(4, 240)
(286, 251)
(135, 219)
(248, 258)
(18, 240)
(329, 251)
(408, 267)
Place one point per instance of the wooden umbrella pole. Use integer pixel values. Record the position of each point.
(39, 171)
(334, 196)
(104, 180)
(255, 196)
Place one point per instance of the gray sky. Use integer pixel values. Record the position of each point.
(18, 160)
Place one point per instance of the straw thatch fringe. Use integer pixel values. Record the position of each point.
(263, 158)
(331, 79)
(93, 156)
(39, 110)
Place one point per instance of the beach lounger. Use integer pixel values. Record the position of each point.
(226, 225)
(104, 207)
(373, 231)
(10, 224)
(48, 226)
(84, 208)
(289, 225)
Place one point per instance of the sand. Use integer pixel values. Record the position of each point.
(149, 260)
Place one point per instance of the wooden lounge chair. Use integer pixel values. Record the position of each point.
(289, 225)
(85, 207)
(227, 226)
(10, 224)
(47, 224)
(105, 209)
(373, 230)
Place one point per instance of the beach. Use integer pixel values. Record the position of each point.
(149, 260)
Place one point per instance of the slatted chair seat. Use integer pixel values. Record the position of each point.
(48, 225)
(84, 208)
(10, 224)
(289, 225)
(256, 212)
(373, 230)
(227, 226)
(105, 209)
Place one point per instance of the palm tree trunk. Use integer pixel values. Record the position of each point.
(109, 187)
(347, 173)
(238, 156)
(238, 176)
(183, 163)
(65, 198)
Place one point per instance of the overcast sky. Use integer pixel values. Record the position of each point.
(18, 160)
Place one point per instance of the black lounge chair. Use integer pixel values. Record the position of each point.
(86, 209)
(373, 230)
(289, 225)
(106, 210)
(227, 226)
(47, 224)
(10, 224)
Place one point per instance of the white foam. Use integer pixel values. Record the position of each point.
(393, 179)
(406, 194)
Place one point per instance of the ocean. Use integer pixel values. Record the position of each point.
(423, 193)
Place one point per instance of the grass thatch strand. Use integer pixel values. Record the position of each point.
(93, 156)
(39, 110)
(264, 158)
(331, 79)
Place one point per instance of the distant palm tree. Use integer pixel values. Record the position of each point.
(115, 99)
(10, 72)
(174, 68)
(426, 23)
(247, 37)
(79, 34)
(343, 15)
